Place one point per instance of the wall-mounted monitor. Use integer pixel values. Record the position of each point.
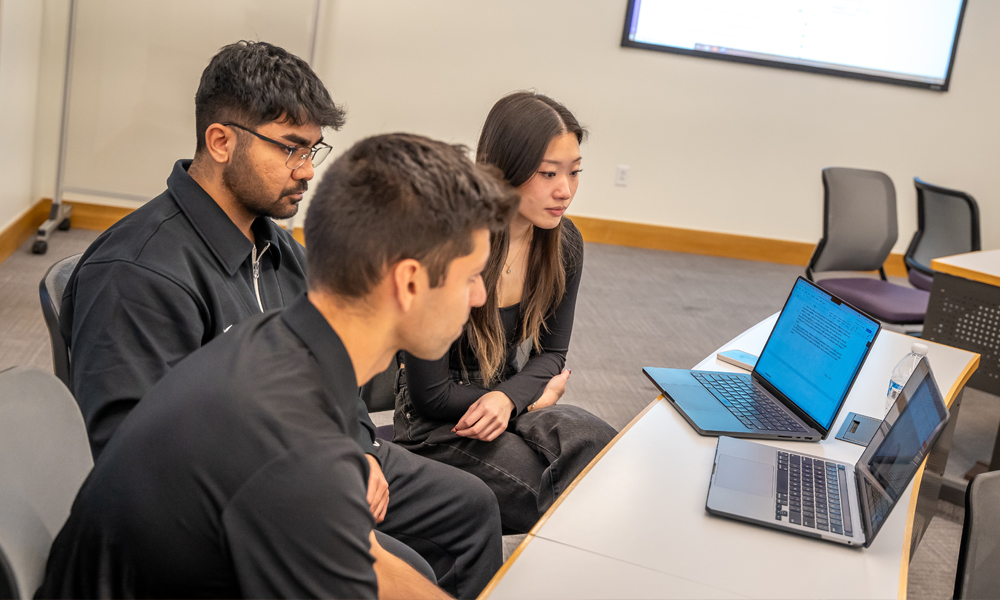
(905, 42)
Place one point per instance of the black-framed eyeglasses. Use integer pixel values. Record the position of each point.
(297, 155)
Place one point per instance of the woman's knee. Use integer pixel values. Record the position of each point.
(568, 421)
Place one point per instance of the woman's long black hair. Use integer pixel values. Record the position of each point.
(515, 136)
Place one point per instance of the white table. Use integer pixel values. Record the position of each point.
(983, 266)
(634, 525)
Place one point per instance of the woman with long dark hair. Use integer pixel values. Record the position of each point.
(490, 406)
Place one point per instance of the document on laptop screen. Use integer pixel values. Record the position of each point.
(815, 351)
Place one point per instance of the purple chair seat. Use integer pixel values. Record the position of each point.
(384, 432)
(919, 280)
(883, 300)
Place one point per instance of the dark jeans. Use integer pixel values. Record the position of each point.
(527, 467)
(448, 517)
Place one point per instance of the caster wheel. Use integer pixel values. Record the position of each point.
(39, 247)
(64, 224)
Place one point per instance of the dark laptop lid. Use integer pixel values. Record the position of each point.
(899, 446)
(815, 352)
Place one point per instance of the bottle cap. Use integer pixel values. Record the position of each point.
(918, 348)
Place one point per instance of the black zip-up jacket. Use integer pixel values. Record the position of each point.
(161, 283)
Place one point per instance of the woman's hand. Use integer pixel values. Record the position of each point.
(486, 418)
(553, 391)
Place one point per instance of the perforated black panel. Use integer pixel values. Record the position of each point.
(966, 314)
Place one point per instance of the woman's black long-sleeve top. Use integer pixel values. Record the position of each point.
(435, 387)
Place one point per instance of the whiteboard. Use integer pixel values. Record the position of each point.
(135, 68)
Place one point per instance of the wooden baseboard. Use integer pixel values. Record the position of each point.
(96, 217)
(659, 237)
(21, 230)
(99, 217)
(895, 266)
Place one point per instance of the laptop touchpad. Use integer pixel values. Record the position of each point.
(742, 475)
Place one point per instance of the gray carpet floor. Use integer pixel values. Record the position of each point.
(636, 308)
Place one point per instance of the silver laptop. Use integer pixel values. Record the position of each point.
(800, 381)
(826, 499)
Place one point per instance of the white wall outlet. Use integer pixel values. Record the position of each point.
(621, 175)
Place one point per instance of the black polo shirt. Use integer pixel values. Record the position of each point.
(237, 475)
(160, 284)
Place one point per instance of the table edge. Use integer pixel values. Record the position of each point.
(911, 512)
(939, 265)
(953, 392)
(495, 580)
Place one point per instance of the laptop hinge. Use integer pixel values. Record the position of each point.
(862, 507)
(787, 402)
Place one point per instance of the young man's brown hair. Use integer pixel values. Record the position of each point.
(436, 198)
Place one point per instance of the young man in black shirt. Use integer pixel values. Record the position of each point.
(203, 256)
(239, 473)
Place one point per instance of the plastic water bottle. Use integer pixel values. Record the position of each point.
(901, 373)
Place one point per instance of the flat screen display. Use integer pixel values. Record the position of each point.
(905, 42)
(902, 441)
(815, 351)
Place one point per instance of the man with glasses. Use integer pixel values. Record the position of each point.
(204, 255)
(232, 481)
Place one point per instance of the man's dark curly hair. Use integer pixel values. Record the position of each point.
(252, 83)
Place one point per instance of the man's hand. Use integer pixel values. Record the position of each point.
(378, 490)
(553, 391)
(487, 417)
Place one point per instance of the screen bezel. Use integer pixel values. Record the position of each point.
(864, 476)
(824, 431)
(943, 87)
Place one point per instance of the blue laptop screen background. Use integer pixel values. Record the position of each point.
(815, 351)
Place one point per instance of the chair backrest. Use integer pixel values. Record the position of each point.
(859, 221)
(8, 583)
(947, 223)
(44, 458)
(380, 392)
(51, 291)
(979, 555)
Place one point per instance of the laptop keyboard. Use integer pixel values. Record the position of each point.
(748, 404)
(809, 494)
(878, 504)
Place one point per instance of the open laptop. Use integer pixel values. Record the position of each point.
(801, 379)
(825, 499)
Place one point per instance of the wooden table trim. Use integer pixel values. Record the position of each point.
(904, 564)
(534, 530)
(943, 266)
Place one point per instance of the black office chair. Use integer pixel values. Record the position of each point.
(44, 458)
(859, 231)
(979, 555)
(379, 394)
(8, 582)
(51, 291)
(947, 223)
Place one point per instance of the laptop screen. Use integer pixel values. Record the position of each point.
(815, 351)
(901, 443)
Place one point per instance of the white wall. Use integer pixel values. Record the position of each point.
(712, 145)
(52, 65)
(20, 47)
(136, 68)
